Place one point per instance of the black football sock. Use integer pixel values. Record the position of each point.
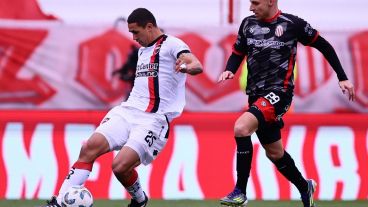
(244, 156)
(286, 167)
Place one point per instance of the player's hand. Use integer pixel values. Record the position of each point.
(226, 75)
(188, 63)
(181, 66)
(347, 88)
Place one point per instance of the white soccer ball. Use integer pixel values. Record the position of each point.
(77, 196)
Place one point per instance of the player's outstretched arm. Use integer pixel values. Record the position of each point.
(232, 66)
(330, 54)
(188, 63)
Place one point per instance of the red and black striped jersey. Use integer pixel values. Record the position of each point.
(158, 88)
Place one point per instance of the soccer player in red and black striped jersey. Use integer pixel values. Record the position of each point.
(268, 39)
(139, 126)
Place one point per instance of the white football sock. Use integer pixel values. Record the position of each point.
(75, 177)
(136, 191)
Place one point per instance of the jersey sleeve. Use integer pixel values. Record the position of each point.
(306, 34)
(178, 47)
(240, 46)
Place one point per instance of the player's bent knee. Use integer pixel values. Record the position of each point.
(87, 155)
(242, 130)
(90, 152)
(275, 155)
(121, 168)
(117, 168)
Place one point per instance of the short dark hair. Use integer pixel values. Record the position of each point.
(142, 17)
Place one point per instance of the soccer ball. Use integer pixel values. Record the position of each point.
(77, 196)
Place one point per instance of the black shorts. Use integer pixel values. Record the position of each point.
(269, 110)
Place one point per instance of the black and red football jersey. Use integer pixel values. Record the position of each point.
(270, 47)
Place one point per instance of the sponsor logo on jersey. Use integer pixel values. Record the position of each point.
(147, 70)
(308, 29)
(146, 74)
(251, 29)
(256, 30)
(265, 43)
(149, 66)
(265, 30)
(279, 31)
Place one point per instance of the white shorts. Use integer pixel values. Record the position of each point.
(146, 133)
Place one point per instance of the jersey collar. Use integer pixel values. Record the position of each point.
(273, 18)
(154, 41)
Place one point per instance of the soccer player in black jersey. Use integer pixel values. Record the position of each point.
(268, 39)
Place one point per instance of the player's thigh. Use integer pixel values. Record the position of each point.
(149, 136)
(126, 160)
(94, 147)
(270, 108)
(269, 133)
(115, 127)
(246, 124)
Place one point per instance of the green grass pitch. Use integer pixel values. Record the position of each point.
(192, 203)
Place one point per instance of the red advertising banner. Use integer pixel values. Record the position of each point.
(42, 66)
(37, 149)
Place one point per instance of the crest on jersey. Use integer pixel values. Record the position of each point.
(105, 120)
(308, 29)
(251, 29)
(279, 31)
